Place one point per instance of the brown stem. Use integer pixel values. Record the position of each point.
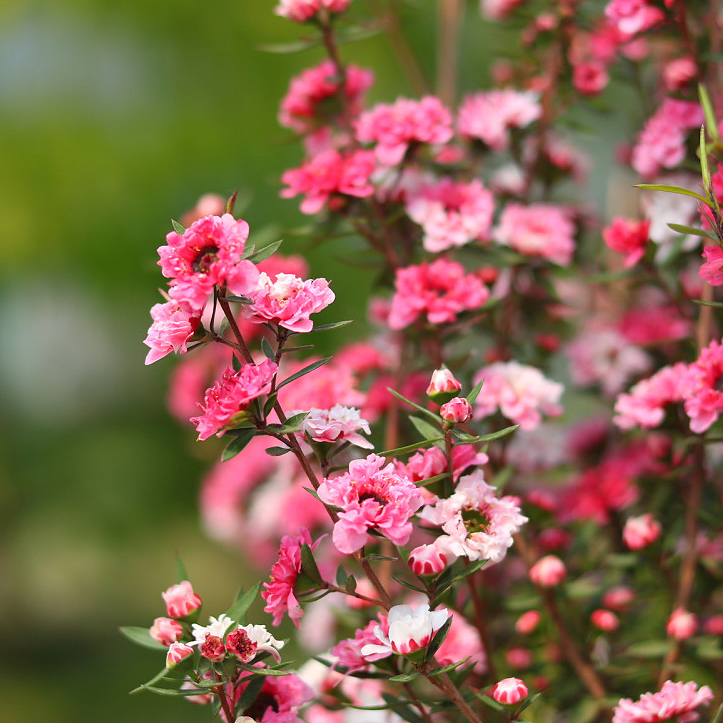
(223, 698)
(449, 17)
(386, 601)
(705, 320)
(223, 303)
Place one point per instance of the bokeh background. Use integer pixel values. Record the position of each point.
(114, 118)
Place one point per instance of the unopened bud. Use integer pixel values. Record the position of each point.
(509, 691)
(443, 386)
(548, 571)
(177, 653)
(456, 411)
(427, 560)
(181, 601)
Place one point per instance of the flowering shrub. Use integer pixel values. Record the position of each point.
(538, 526)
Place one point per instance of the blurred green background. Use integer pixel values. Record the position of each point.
(114, 118)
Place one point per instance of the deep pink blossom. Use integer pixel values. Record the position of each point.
(489, 115)
(208, 254)
(456, 411)
(590, 77)
(288, 301)
(395, 127)
(180, 600)
(633, 16)
(451, 214)
(700, 388)
(371, 497)
(430, 462)
(177, 652)
(166, 630)
(539, 229)
(629, 237)
(674, 701)
(328, 177)
(301, 10)
(229, 397)
(173, 325)
(439, 291)
(605, 620)
(528, 621)
(349, 652)
(712, 268)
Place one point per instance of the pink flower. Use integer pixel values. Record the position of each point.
(410, 629)
(208, 254)
(226, 400)
(371, 497)
(590, 77)
(288, 301)
(498, 9)
(629, 237)
(462, 641)
(681, 624)
(520, 392)
(395, 127)
(548, 571)
(699, 388)
(305, 107)
(349, 652)
(180, 600)
(539, 229)
(632, 16)
(712, 268)
(519, 658)
(675, 701)
(213, 649)
(239, 644)
(641, 531)
(301, 10)
(451, 214)
(430, 462)
(678, 72)
(456, 411)
(618, 598)
(279, 593)
(509, 691)
(439, 290)
(527, 622)
(328, 177)
(166, 630)
(338, 424)
(176, 653)
(173, 325)
(443, 386)
(714, 625)
(489, 115)
(477, 524)
(605, 620)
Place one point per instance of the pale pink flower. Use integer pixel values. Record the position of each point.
(279, 593)
(639, 532)
(208, 254)
(527, 622)
(456, 411)
(605, 620)
(329, 177)
(304, 108)
(477, 524)
(712, 268)
(430, 462)
(301, 10)
(498, 9)
(645, 404)
(371, 497)
(173, 325)
(539, 229)
(443, 385)
(395, 127)
(176, 653)
(678, 72)
(349, 652)
(166, 630)
(451, 214)
(681, 624)
(674, 701)
(489, 115)
(288, 301)
(180, 600)
(629, 237)
(699, 388)
(520, 392)
(410, 629)
(226, 400)
(439, 291)
(509, 691)
(548, 571)
(338, 424)
(633, 16)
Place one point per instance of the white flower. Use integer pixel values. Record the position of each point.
(264, 640)
(409, 630)
(216, 626)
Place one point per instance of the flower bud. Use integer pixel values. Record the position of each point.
(181, 601)
(456, 411)
(527, 622)
(548, 571)
(640, 531)
(605, 620)
(443, 386)
(714, 625)
(519, 658)
(177, 652)
(166, 630)
(427, 560)
(509, 691)
(213, 649)
(618, 598)
(681, 624)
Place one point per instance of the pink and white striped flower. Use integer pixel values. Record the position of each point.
(410, 629)
(180, 600)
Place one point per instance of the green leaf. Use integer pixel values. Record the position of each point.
(447, 668)
(141, 636)
(718, 718)
(410, 447)
(496, 435)
(704, 168)
(181, 573)
(238, 609)
(717, 304)
(438, 639)
(289, 47)
(265, 252)
(710, 122)
(434, 417)
(277, 451)
(341, 576)
(404, 583)
(472, 396)
(308, 564)
(238, 444)
(403, 710)
(266, 349)
(404, 677)
(350, 584)
(649, 649)
(672, 189)
(251, 691)
(158, 676)
(334, 325)
(427, 430)
(528, 702)
(249, 250)
(304, 371)
(274, 672)
(238, 299)
(290, 349)
(178, 228)
(292, 424)
(374, 556)
(466, 572)
(690, 231)
(487, 700)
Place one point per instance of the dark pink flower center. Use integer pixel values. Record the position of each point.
(204, 258)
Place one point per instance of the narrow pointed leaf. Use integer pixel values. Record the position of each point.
(178, 228)
(180, 570)
(427, 430)
(141, 636)
(341, 576)
(447, 668)
(265, 252)
(158, 676)
(238, 444)
(304, 371)
(251, 691)
(249, 250)
(238, 609)
(308, 564)
(350, 584)
(404, 678)
(671, 189)
(472, 396)
(424, 411)
(410, 447)
(266, 349)
(708, 113)
(334, 325)
(690, 231)
(274, 672)
(438, 639)
(704, 168)
(277, 451)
